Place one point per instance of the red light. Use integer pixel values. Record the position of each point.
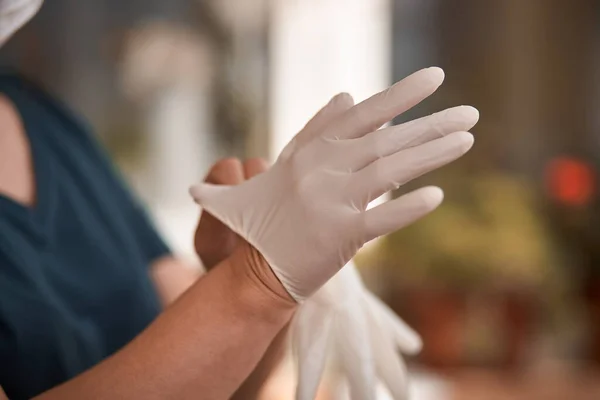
(570, 181)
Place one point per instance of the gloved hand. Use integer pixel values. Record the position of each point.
(307, 215)
(358, 331)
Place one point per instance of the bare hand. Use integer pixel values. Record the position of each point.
(214, 241)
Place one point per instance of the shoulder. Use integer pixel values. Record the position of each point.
(30, 117)
(16, 169)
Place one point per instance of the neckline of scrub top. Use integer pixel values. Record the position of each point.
(36, 218)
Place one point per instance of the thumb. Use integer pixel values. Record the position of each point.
(254, 166)
(227, 171)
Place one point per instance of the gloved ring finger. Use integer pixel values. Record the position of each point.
(391, 172)
(385, 142)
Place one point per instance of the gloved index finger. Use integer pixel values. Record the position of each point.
(336, 107)
(381, 108)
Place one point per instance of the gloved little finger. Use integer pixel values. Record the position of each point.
(400, 212)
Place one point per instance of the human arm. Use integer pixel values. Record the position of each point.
(172, 276)
(227, 312)
(205, 344)
(214, 241)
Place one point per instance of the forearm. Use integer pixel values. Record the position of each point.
(172, 277)
(253, 385)
(204, 345)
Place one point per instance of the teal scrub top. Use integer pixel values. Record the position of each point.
(74, 281)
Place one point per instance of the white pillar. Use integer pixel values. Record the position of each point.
(320, 48)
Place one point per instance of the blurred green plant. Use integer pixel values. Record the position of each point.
(488, 232)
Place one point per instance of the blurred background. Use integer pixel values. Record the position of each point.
(503, 281)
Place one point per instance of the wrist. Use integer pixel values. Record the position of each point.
(257, 289)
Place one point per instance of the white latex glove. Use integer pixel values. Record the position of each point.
(307, 214)
(345, 321)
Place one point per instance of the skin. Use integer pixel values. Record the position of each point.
(214, 242)
(218, 332)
